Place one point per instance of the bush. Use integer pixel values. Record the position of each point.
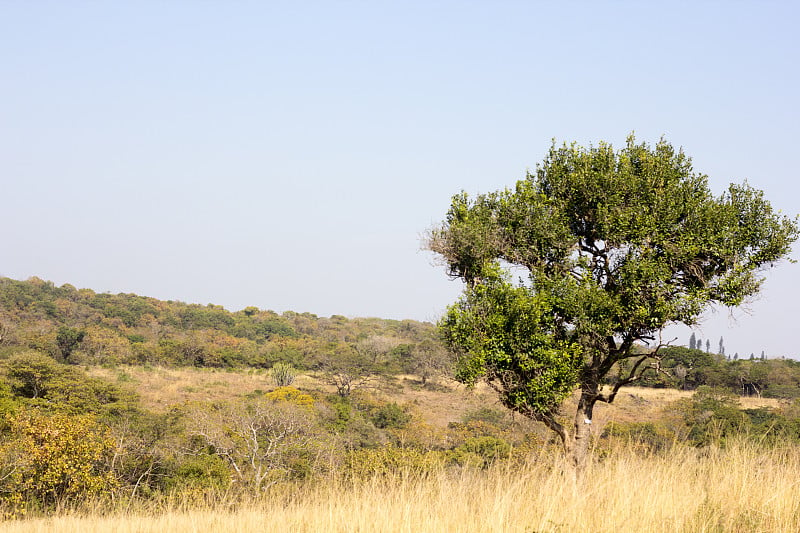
(785, 392)
(491, 416)
(291, 395)
(55, 460)
(204, 471)
(481, 451)
(390, 415)
(648, 436)
(283, 374)
(391, 460)
(38, 380)
(712, 415)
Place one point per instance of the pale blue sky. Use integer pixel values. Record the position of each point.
(289, 155)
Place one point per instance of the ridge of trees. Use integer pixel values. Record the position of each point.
(81, 326)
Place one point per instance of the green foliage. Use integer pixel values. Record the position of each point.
(31, 373)
(649, 436)
(481, 451)
(80, 326)
(390, 415)
(67, 340)
(203, 471)
(609, 247)
(507, 336)
(283, 374)
(712, 415)
(38, 380)
(485, 414)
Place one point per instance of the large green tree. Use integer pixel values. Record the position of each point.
(571, 275)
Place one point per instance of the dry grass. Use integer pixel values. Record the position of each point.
(740, 489)
(160, 388)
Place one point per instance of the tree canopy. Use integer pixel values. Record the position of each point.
(570, 273)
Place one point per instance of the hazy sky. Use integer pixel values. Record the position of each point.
(289, 155)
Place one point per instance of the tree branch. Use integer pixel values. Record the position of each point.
(632, 375)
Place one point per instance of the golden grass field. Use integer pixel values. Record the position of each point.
(739, 489)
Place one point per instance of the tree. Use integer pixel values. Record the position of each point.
(67, 340)
(692, 342)
(708, 346)
(721, 349)
(609, 247)
(257, 439)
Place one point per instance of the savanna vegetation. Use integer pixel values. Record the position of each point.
(168, 441)
(129, 413)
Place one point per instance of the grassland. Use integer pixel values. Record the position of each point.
(739, 489)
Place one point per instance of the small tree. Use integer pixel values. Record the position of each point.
(611, 246)
(692, 342)
(256, 439)
(67, 340)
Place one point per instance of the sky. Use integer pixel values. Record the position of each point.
(291, 155)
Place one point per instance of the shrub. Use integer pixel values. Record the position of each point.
(291, 395)
(55, 460)
(485, 414)
(203, 471)
(391, 460)
(647, 436)
(481, 451)
(390, 415)
(283, 374)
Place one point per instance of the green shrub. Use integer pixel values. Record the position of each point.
(390, 415)
(481, 451)
(283, 374)
(712, 415)
(204, 471)
(495, 417)
(392, 460)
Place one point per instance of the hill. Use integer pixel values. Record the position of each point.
(79, 326)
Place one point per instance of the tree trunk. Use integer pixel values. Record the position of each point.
(583, 429)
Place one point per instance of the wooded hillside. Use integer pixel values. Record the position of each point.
(80, 326)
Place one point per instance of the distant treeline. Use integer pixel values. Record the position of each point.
(80, 326)
(689, 369)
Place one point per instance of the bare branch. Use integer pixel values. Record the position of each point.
(633, 376)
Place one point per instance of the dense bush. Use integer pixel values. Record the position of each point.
(52, 460)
